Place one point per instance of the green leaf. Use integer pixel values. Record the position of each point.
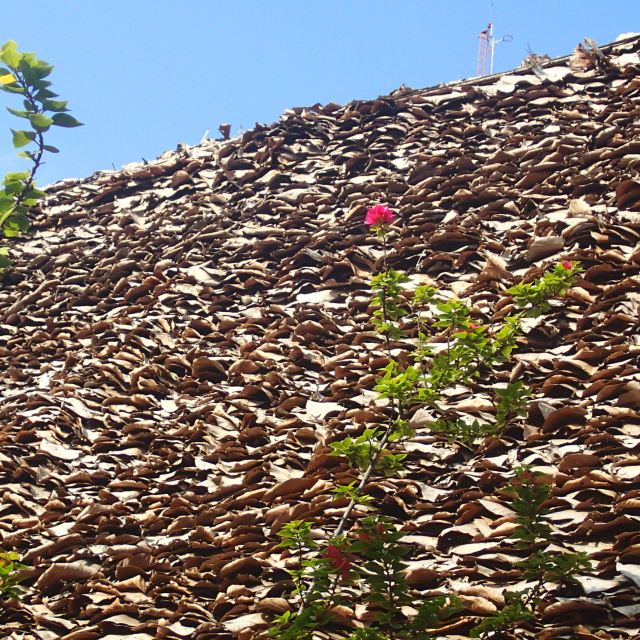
(4, 258)
(14, 188)
(11, 88)
(10, 55)
(54, 105)
(26, 69)
(19, 220)
(20, 114)
(44, 94)
(15, 225)
(6, 204)
(51, 149)
(34, 194)
(40, 122)
(43, 69)
(22, 138)
(15, 176)
(65, 120)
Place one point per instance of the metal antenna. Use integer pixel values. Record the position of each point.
(485, 37)
(487, 46)
(494, 42)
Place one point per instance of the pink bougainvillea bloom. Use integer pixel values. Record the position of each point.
(339, 560)
(567, 264)
(473, 325)
(379, 215)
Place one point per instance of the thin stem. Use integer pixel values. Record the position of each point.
(392, 600)
(535, 594)
(342, 524)
(436, 383)
(383, 296)
(332, 592)
(299, 582)
(35, 157)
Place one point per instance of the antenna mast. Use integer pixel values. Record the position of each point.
(487, 49)
(485, 44)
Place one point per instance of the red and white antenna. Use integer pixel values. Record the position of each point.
(487, 49)
(485, 40)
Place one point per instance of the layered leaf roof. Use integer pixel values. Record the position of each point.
(181, 339)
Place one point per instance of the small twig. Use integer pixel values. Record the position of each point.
(35, 157)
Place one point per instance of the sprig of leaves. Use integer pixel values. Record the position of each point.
(513, 612)
(387, 287)
(530, 492)
(534, 296)
(23, 74)
(10, 567)
(370, 556)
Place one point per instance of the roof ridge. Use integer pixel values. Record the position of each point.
(483, 80)
(474, 81)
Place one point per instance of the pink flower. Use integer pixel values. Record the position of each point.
(379, 215)
(339, 560)
(567, 264)
(472, 327)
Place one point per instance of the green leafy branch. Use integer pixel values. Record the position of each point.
(10, 567)
(530, 493)
(369, 556)
(23, 74)
(534, 296)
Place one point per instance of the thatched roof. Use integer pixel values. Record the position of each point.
(180, 339)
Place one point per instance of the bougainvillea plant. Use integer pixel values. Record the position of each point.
(362, 561)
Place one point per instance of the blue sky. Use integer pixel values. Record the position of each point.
(146, 74)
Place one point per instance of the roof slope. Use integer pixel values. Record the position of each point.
(179, 339)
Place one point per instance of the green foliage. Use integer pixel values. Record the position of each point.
(534, 296)
(296, 533)
(512, 402)
(24, 74)
(367, 449)
(10, 568)
(369, 556)
(530, 492)
(387, 287)
(462, 431)
(514, 611)
(453, 314)
(423, 295)
(391, 464)
(298, 626)
(359, 451)
(397, 383)
(386, 589)
(350, 491)
(560, 568)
